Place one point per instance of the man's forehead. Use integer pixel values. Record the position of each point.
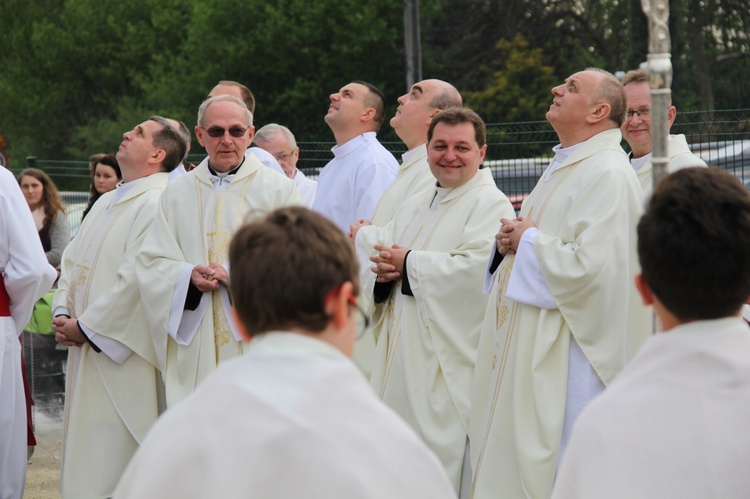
(638, 91)
(149, 127)
(458, 133)
(354, 88)
(225, 110)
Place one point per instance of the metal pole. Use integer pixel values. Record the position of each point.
(412, 43)
(660, 81)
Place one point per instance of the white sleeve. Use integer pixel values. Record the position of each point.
(526, 283)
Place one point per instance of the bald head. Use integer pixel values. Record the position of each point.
(418, 106)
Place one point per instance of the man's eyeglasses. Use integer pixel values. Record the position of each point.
(217, 132)
(362, 321)
(284, 156)
(643, 112)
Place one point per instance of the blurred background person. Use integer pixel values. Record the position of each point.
(48, 212)
(279, 141)
(105, 173)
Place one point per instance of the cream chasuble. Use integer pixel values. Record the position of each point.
(680, 156)
(426, 343)
(198, 215)
(413, 177)
(586, 213)
(109, 406)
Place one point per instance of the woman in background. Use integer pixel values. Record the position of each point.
(48, 212)
(105, 173)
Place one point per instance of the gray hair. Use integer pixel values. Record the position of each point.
(171, 141)
(268, 132)
(218, 98)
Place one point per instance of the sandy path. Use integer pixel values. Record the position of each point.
(44, 471)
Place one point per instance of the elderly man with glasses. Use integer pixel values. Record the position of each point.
(182, 267)
(637, 131)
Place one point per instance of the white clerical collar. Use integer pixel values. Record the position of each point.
(121, 188)
(221, 180)
(640, 162)
(440, 194)
(358, 141)
(413, 155)
(561, 154)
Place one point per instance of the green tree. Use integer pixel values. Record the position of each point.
(520, 88)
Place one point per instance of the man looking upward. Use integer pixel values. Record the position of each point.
(350, 185)
(111, 397)
(564, 316)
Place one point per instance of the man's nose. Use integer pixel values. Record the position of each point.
(557, 90)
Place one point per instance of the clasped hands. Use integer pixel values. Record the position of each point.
(208, 277)
(67, 331)
(511, 231)
(389, 262)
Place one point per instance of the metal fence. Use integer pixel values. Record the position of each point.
(517, 153)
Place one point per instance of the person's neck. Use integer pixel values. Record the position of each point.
(413, 142)
(640, 152)
(570, 137)
(345, 135)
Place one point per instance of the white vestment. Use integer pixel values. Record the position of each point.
(111, 396)
(673, 423)
(266, 158)
(292, 418)
(26, 277)
(679, 155)
(306, 187)
(586, 212)
(350, 185)
(413, 176)
(197, 217)
(427, 343)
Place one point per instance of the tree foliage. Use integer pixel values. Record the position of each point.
(76, 74)
(520, 87)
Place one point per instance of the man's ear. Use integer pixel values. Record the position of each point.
(368, 114)
(199, 135)
(671, 115)
(599, 113)
(432, 115)
(338, 307)
(158, 156)
(644, 290)
(240, 325)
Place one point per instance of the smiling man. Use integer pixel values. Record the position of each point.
(427, 302)
(182, 268)
(636, 130)
(350, 185)
(564, 316)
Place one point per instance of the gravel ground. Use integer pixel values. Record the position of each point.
(44, 471)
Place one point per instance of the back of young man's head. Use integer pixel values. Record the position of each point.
(694, 244)
(284, 266)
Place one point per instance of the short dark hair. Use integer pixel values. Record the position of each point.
(171, 141)
(376, 100)
(694, 243)
(247, 95)
(456, 116)
(283, 267)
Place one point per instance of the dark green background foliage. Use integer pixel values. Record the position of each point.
(76, 74)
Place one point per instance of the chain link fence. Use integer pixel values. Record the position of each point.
(517, 153)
